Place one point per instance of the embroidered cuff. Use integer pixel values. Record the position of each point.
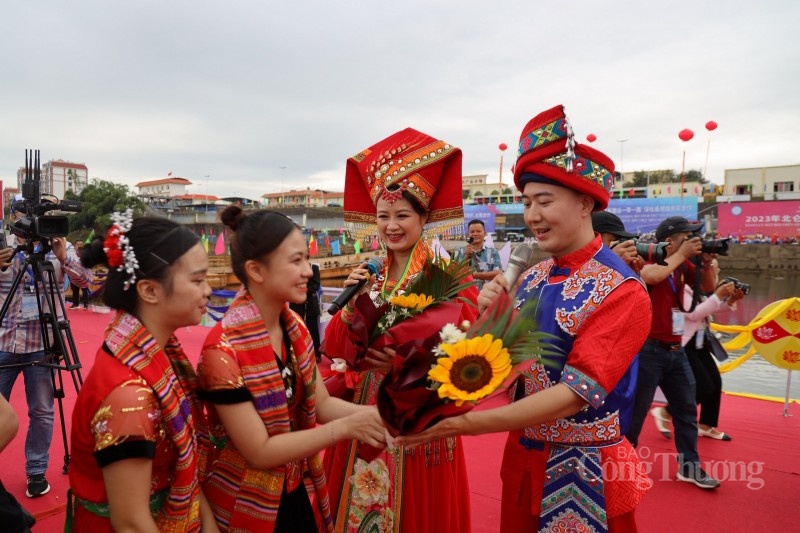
(584, 386)
(346, 314)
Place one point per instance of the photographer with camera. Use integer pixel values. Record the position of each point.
(662, 360)
(704, 367)
(485, 261)
(21, 343)
(623, 243)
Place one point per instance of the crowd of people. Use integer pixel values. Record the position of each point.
(251, 439)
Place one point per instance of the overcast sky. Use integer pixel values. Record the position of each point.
(263, 96)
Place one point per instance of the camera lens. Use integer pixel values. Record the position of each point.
(652, 252)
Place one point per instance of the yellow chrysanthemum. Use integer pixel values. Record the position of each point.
(472, 369)
(412, 301)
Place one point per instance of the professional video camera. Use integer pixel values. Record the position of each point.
(36, 225)
(744, 287)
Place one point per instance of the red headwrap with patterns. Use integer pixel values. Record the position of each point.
(548, 153)
(411, 161)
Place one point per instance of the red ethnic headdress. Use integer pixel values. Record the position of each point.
(427, 168)
(547, 149)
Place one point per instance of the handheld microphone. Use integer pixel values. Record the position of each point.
(374, 265)
(517, 263)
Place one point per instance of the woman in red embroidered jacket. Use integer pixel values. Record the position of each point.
(264, 393)
(399, 187)
(137, 427)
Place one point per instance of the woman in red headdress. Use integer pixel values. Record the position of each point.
(402, 185)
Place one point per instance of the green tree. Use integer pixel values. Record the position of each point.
(695, 175)
(465, 194)
(642, 178)
(507, 190)
(98, 200)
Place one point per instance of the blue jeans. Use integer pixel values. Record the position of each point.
(39, 395)
(670, 370)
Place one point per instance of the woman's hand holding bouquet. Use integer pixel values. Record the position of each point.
(429, 300)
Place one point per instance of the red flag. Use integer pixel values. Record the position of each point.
(327, 241)
(312, 246)
(631, 193)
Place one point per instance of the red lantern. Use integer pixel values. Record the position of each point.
(711, 125)
(591, 137)
(686, 134)
(503, 147)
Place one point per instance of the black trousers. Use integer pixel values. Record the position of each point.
(709, 383)
(77, 298)
(295, 514)
(13, 518)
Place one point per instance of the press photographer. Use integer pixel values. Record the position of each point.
(22, 346)
(485, 260)
(703, 350)
(662, 360)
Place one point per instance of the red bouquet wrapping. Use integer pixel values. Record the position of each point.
(406, 404)
(366, 316)
(449, 371)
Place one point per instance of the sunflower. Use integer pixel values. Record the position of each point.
(472, 368)
(412, 301)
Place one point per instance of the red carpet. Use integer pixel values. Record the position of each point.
(760, 467)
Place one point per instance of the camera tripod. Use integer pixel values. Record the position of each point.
(59, 346)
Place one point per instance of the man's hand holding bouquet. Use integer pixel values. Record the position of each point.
(449, 372)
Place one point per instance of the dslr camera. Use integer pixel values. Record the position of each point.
(652, 252)
(36, 225)
(744, 287)
(715, 246)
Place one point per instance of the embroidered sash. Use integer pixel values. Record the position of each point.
(243, 335)
(171, 376)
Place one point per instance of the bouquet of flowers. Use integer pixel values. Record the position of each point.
(449, 372)
(429, 300)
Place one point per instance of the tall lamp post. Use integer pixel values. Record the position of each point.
(208, 178)
(283, 189)
(622, 158)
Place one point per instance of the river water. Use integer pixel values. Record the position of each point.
(756, 375)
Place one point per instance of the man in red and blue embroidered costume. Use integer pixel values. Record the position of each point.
(567, 466)
(574, 469)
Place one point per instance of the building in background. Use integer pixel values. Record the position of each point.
(168, 187)
(765, 183)
(58, 177)
(307, 197)
(477, 190)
